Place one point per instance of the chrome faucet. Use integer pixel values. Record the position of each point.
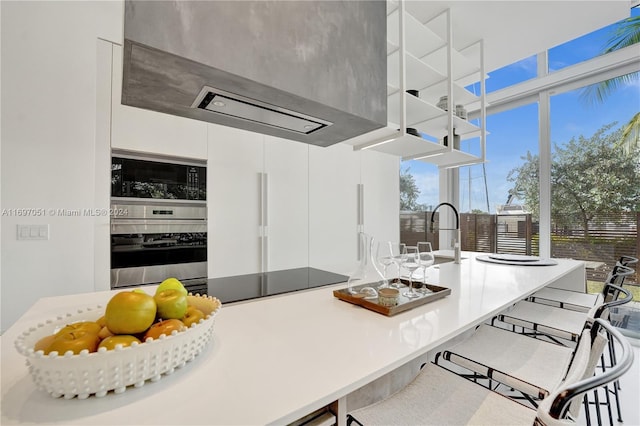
(457, 238)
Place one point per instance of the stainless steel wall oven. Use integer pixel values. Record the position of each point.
(156, 177)
(160, 229)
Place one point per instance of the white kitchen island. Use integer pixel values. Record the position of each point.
(277, 359)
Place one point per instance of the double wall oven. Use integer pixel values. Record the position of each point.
(159, 221)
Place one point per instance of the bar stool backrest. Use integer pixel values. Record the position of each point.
(611, 290)
(627, 260)
(559, 407)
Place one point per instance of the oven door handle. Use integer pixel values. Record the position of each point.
(145, 222)
(157, 226)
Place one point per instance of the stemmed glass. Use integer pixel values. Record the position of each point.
(426, 258)
(411, 262)
(384, 255)
(397, 250)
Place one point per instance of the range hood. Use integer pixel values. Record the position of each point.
(311, 71)
(220, 102)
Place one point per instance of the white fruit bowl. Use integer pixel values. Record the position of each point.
(97, 373)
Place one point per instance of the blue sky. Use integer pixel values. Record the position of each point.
(514, 132)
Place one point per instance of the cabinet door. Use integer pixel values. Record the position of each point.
(381, 181)
(143, 130)
(334, 175)
(287, 201)
(234, 171)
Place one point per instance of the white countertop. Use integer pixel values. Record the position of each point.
(276, 359)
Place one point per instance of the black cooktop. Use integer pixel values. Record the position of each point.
(252, 286)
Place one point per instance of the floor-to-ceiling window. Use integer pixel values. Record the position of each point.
(578, 111)
(419, 194)
(595, 175)
(595, 159)
(500, 196)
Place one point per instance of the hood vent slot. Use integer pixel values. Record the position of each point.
(221, 102)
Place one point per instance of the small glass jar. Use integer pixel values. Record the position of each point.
(461, 112)
(443, 103)
(388, 296)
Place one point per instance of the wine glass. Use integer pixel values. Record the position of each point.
(426, 258)
(396, 251)
(410, 262)
(384, 256)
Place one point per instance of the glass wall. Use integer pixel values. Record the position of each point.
(498, 213)
(419, 194)
(595, 160)
(595, 170)
(590, 45)
(515, 73)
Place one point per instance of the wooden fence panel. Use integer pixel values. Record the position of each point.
(609, 236)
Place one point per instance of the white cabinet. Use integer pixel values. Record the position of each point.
(258, 202)
(381, 183)
(138, 129)
(235, 166)
(337, 210)
(286, 195)
(279, 204)
(334, 176)
(420, 57)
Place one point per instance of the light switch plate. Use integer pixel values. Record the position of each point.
(33, 232)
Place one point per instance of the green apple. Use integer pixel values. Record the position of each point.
(192, 316)
(130, 312)
(43, 344)
(122, 339)
(88, 326)
(171, 284)
(165, 327)
(172, 304)
(74, 341)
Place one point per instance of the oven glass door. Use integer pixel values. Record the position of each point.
(134, 250)
(134, 178)
(150, 258)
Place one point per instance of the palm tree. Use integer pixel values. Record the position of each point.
(630, 139)
(626, 33)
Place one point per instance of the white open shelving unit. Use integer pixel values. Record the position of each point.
(420, 56)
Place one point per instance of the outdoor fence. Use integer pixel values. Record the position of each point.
(609, 236)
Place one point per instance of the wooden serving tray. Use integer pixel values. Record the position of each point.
(404, 303)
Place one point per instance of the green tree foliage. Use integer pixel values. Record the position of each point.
(525, 179)
(589, 176)
(631, 134)
(409, 191)
(626, 33)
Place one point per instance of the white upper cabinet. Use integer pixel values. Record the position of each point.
(143, 130)
(421, 57)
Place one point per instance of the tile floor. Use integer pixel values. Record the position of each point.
(629, 395)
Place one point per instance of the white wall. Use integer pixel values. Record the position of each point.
(48, 143)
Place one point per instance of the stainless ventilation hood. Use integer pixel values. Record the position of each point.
(311, 71)
(225, 103)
